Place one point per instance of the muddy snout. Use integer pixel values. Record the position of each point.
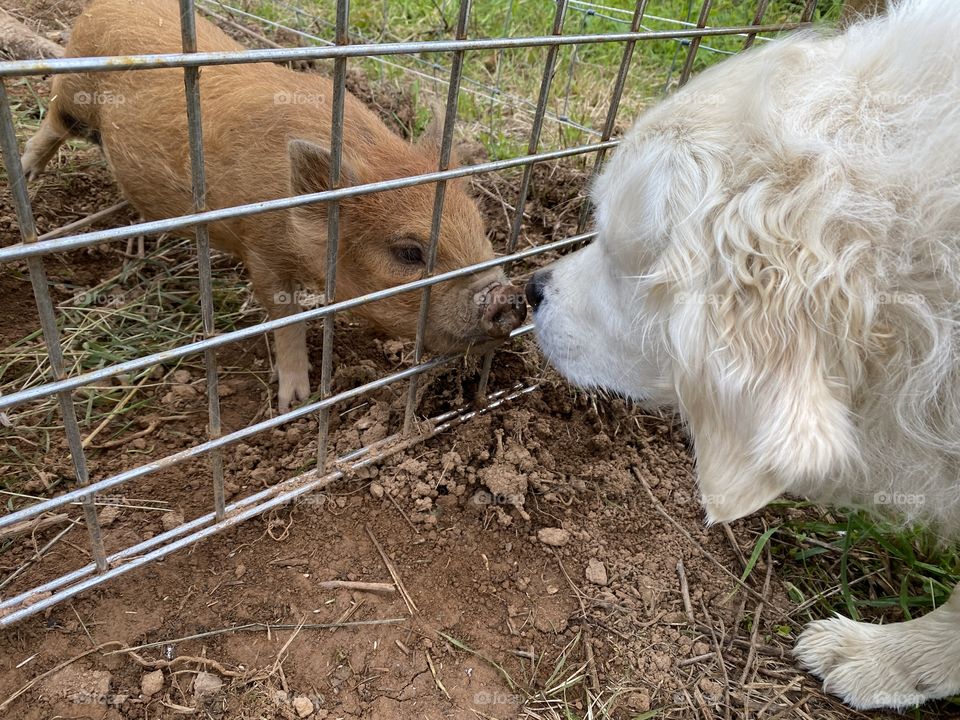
(503, 309)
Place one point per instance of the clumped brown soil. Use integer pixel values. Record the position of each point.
(551, 552)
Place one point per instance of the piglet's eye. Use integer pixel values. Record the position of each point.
(408, 254)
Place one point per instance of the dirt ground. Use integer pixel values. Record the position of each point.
(552, 553)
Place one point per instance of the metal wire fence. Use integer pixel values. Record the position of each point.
(625, 28)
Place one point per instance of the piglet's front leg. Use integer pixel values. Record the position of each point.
(293, 368)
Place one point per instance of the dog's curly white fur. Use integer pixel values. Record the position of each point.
(778, 259)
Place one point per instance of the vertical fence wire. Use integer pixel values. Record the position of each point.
(48, 320)
(495, 90)
(572, 66)
(695, 44)
(446, 147)
(534, 143)
(333, 228)
(611, 120)
(198, 178)
(537, 126)
(757, 20)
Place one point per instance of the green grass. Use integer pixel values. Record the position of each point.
(584, 76)
(856, 564)
(865, 567)
(152, 304)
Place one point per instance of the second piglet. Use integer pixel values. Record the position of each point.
(266, 132)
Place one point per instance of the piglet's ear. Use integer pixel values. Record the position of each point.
(310, 168)
(432, 135)
(461, 153)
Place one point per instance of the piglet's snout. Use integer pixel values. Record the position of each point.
(504, 309)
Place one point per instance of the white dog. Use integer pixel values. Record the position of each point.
(778, 259)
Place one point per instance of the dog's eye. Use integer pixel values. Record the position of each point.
(408, 254)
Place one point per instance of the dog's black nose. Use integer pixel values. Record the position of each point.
(535, 286)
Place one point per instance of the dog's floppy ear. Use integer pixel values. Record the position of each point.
(763, 426)
(761, 361)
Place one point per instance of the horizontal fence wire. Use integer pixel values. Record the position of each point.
(42, 391)
(493, 93)
(75, 242)
(37, 599)
(125, 63)
(419, 66)
(223, 515)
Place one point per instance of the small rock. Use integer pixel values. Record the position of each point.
(179, 395)
(207, 684)
(638, 702)
(182, 377)
(87, 687)
(303, 706)
(421, 489)
(554, 537)
(151, 683)
(663, 661)
(263, 475)
(392, 348)
(376, 489)
(240, 571)
(596, 572)
(711, 689)
(170, 520)
(549, 625)
(184, 392)
(108, 515)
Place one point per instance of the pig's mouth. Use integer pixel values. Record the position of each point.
(503, 310)
(499, 309)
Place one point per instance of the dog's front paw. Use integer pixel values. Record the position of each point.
(294, 388)
(869, 666)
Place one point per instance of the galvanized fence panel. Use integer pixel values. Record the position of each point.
(33, 250)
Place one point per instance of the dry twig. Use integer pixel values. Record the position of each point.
(685, 593)
(408, 601)
(374, 587)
